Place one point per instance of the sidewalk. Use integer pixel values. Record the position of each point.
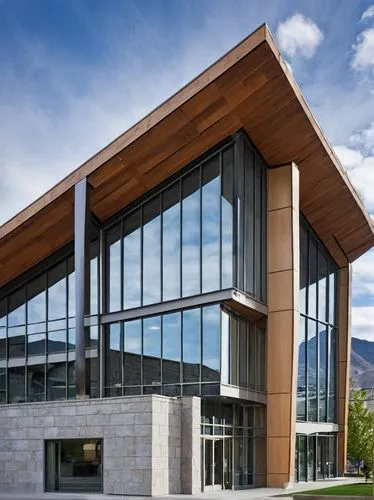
(255, 493)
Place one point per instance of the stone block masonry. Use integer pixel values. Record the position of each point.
(144, 440)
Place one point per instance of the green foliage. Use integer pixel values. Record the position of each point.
(351, 490)
(361, 430)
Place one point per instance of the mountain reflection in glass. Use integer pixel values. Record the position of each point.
(183, 352)
(316, 382)
(37, 324)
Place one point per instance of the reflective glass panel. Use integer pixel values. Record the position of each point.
(132, 260)
(322, 287)
(152, 350)
(260, 360)
(243, 354)
(16, 342)
(258, 227)
(16, 384)
(3, 313)
(234, 327)
(36, 304)
(72, 380)
(225, 347)
(249, 220)
(191, 345)
(2, 385)
(57, 306)
(56, 381)
(322, 343)
(227, 201)
(191, 234)
(113, 360)
(94, 277)
(71, 287)
(211, 343)
(240, 201)
(312, 370)
(36, 382)
(16, 308)
(332, 297)
(171, 348)
(312, 297)
(2, 331)
(57, 342)
(36, 344)
(301, 378)
(114, 267)
(303, 268)
(152, 252)
(211, 187)
(332, 376)
(132, 352)
(171, 242)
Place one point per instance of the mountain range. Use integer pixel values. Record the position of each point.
(362, 363)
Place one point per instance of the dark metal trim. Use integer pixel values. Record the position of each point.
(82, 223)
(164, 307)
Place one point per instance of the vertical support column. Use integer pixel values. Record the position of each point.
(283, 322)
(82, 226)
(344, 293)
(191, 450)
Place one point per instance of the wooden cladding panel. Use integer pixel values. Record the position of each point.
(115, 201)
(34, 240)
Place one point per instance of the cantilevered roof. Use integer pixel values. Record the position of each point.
(249, 88)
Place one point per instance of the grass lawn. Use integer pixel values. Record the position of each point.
(356, 489)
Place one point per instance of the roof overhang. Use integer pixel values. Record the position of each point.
(249, 88)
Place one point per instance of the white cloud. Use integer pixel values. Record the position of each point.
(363, 322)
(369, 12)
(363, 278)
(363, 57)
(350, 158)
(299, 35)
(359, 161)
(365, 138)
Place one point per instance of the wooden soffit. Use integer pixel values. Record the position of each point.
(249, 88)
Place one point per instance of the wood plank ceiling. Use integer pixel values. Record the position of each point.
(249, 88)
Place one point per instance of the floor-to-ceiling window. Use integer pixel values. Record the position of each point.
(317, 367)
(201, 232)
(37, 334)
(188, 352)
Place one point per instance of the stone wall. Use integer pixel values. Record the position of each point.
(142, 441)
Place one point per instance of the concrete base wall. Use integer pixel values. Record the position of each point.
(142, 442)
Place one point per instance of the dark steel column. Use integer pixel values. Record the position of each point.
(82, 231)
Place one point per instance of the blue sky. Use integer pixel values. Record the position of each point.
(77, 73)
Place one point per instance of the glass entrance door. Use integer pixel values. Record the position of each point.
(216, 455)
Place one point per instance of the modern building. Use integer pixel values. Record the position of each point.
(175, 314)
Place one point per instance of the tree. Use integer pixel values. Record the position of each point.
(360, 430)
(369, 450)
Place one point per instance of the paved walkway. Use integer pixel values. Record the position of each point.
(255, 493)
